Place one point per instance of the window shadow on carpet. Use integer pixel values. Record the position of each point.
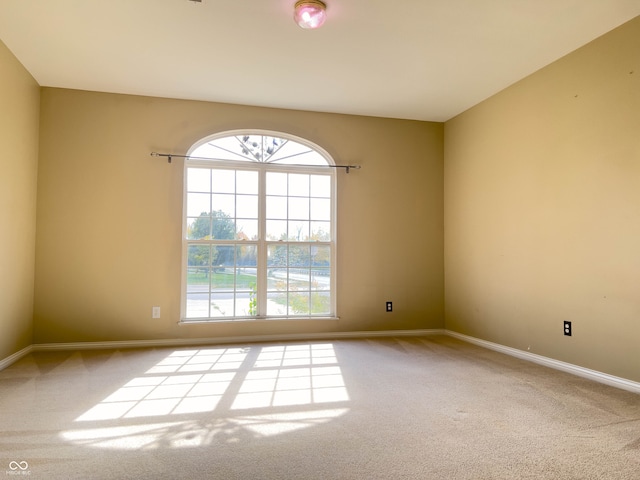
(199, 397)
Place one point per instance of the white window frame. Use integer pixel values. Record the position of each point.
(262, 168)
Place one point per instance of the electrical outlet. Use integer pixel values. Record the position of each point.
(567, 328)
(155, 312)
(389, 307)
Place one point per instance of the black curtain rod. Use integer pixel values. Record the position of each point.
(169, 156)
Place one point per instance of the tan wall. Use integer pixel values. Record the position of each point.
(109, 216)
(542, 210)
(19, 106)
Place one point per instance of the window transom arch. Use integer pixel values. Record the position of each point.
(258, 228)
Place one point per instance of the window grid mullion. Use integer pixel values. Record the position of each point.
(210, 283)
(261, 273)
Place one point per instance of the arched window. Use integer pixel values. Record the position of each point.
(259, 229)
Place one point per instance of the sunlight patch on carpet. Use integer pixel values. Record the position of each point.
(196, 434)
(276, 389)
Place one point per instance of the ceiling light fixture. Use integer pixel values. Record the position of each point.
(310, 13)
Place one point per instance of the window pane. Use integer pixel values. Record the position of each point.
(198, 203)
(274, 278)
(320, 255)
(224, 203)
(246, 182)
(298, 231)
(320, 209)
(320, 303)
(299, 208)
(246, 305)
(299, 256)
(222, 304)
(321, 186)
(272, 145)
(223, 181)
(298, 303)
(276, 304)
(247, 206)
(276, 229)
(277, 207)
(222, 256)
(298, 185)
(247, 229)
(197, 305)
(277, 279)
(198, 255)
(198, 279)
(199, 228)
(320, 231)
(246, 256)
(251, 146)
(277, 255)
(289, 149)
(222, 279)
(245, 279)
(223, 227)
(299, 279)
(226, 148)
(276, 183)
(198, 180)
(320, 279)
(309, 157)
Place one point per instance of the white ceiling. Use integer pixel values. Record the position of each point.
(413, 59)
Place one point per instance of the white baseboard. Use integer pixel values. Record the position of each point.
(5, 362)
(600, 377)
(177, 342)
(605, 378)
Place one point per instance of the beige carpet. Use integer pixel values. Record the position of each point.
(385, 408)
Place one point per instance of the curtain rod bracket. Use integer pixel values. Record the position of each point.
(156, 154)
